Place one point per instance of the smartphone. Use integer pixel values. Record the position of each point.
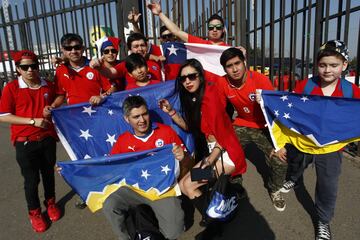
(198, 174)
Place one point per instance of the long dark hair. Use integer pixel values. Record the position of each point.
(191, 107)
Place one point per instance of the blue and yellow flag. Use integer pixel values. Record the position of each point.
(313, 124)
(150, 173)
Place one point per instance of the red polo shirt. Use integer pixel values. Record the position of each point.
(243, 98)
(159, 136)
(20, 100)
(300, 85)
(79, 85)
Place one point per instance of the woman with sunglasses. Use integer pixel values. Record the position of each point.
(216, 30)
(33, 136)
(205, 117)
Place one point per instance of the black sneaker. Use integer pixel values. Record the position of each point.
(323, 231)
(287, 186)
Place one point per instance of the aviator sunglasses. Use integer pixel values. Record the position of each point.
(25, 67)
(218, 27)
(75, 47)
(191, 77)
(107, 51)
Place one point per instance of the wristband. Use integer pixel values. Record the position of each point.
(172, 114)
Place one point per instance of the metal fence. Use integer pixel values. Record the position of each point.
(279, 35)
(39, 24)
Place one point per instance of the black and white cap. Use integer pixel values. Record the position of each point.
(337, 46)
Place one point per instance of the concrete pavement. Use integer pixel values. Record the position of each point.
(257, 219)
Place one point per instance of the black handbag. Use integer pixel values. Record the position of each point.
(223, 199)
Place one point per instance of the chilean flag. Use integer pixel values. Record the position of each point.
(176, 54)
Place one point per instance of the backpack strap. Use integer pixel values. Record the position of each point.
(346, 88)
(310, 85)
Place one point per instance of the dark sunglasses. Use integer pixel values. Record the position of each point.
(167, 36)
(76, 47)
(107, 51)
(25, 67)
(191, 77)
(218, 27)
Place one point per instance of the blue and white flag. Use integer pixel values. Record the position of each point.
(150, 173)
(313, 124)
(90, 131)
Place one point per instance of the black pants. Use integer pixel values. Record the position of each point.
(35, 158)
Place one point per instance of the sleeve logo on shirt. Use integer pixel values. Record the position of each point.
(46, 95)
(159, 142)
(154, 68)
(252, 97)
(90, 75)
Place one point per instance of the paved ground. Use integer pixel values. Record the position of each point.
(257, 219)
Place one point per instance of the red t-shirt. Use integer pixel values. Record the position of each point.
(193, 39)
(154, 71)
(80, 85)
(300, 85)
(216, 122)
(20, 100)
(133, 85)
(160, 136)
(243, 98)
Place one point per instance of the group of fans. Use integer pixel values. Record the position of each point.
(26, 104)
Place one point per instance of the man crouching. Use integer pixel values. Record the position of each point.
(144, 135)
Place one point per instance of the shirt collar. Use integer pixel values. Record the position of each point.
(152, 126)
(22, 83)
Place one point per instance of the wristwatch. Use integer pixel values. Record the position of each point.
(32, 122)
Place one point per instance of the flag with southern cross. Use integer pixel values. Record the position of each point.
(313, 124)
(90, 131)
(150, 173)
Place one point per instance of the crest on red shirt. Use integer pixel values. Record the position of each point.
(90, 75)
(159, 142)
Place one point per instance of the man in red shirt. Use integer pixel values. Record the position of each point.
(216, 30)
(238, 87)
(33, 136)
(144, 136)
(75, 80)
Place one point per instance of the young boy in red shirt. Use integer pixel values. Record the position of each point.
(138, 69)
(33, 136)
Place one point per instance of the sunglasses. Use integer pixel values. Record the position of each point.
(107, 51)
(191, 77)
(218, 27)
(75, 47)
(25, 67)
(167, 36)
